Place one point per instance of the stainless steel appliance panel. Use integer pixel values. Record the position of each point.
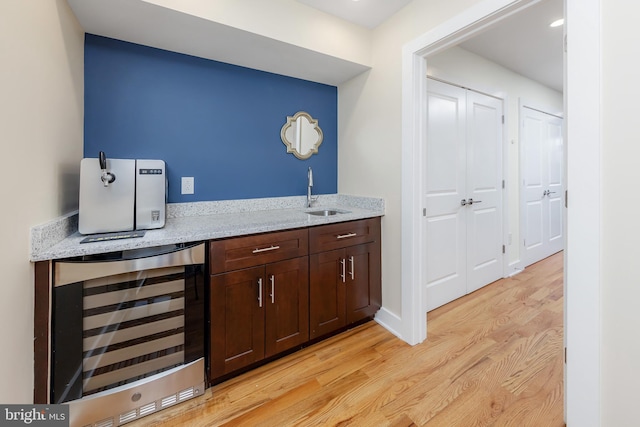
(150, 194)
(130, 402)
(86, 268)
(106, 208)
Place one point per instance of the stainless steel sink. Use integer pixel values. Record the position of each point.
(326, 212)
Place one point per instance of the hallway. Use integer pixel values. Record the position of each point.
(492, 358)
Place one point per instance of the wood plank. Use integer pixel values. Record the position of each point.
(494, 357)
(41, 323)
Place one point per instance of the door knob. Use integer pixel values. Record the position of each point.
(463, 202)
(471, 201)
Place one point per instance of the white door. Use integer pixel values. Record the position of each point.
(484, 187)
(463, 192)
(542, 185)
(446, 231)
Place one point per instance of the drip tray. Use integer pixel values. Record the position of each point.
(105, 237)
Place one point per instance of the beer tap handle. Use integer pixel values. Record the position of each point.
(107, 177)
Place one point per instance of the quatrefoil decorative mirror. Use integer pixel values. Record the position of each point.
(302, 135)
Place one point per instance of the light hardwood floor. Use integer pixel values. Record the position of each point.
(492, 358)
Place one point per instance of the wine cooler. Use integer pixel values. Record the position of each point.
(127, 333)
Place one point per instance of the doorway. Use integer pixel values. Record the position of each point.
(542, 188)
(582, 259)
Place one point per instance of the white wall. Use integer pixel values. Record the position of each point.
(370, 129)
(41, 114)
(459, 66)
(288, 21)
(620, 280)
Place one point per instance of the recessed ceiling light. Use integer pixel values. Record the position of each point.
(557, 23)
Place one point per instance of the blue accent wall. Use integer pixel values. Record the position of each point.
(217, 122)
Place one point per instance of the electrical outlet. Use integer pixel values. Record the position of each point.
(187, 185)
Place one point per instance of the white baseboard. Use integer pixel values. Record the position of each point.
(515, 268)
(389, 321)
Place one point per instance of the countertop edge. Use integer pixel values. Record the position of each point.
(205, 221)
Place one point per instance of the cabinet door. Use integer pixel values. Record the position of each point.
(287, 305)
(237, 320)
(326, 292)
(363, 284)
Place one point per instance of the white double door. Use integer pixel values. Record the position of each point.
(463, 192)
(542, 205)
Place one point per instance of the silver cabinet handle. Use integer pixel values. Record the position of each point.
(272, 279)
(345, 236)
(260, 292)
(471, 201)
(352, 268)
(343, 276)
(271, 248)
(463, 202)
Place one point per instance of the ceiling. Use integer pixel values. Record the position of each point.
(523, 43)
(366, 13)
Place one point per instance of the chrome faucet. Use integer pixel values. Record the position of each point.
(309, 186)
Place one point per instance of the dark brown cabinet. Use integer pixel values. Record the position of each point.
(268, 295)
(237, 321)
(286, 305)
(344, 270)
(259, 311)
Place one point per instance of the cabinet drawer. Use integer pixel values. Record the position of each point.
(343, 234)
(242, 252)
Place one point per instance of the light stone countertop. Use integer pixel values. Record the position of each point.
(191, 222)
